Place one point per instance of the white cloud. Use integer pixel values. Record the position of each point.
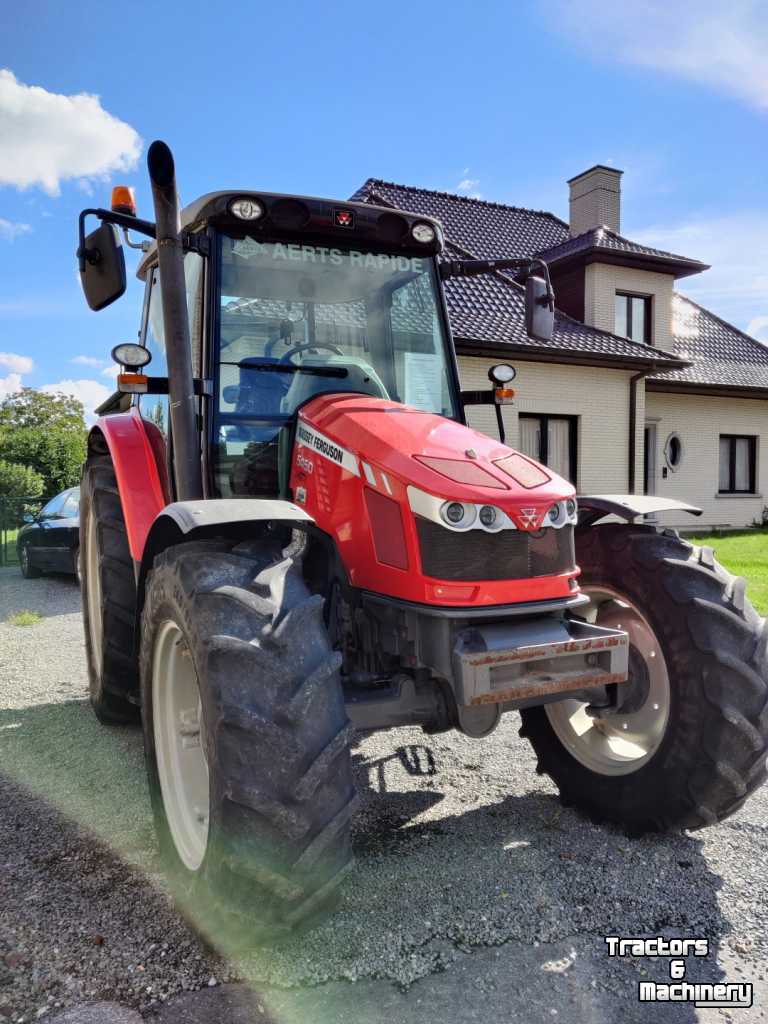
(736, 247)
(9, 385)
(16, 363)
(719, 45)
(469, 186)
(87, 361)
(110, 371)
(90, 392)
(758, 328)
(10, 230)
(49, 138)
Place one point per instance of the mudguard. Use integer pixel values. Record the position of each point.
(593, 507)
(140, 482)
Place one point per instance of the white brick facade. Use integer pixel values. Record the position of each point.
(699, 420)
(602, 281)
(598, 397)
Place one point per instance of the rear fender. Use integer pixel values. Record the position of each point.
(141, 481)
(593, 507)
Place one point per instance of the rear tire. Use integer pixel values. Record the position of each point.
(711, 753)
(108, 591)
(273, 733)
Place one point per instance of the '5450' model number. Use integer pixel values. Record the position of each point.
(304, 463)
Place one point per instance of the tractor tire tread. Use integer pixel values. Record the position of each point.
(715, 645)
(278, 737)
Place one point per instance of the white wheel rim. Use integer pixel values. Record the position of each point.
(25, 559)
(93, 590)
(180, 744)
(622, 743)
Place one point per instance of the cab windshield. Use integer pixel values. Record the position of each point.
(298, 320)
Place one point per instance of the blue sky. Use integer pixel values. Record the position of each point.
(502, 100)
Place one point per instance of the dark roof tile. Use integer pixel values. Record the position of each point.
(605, 240)
(720, 354)
(482, 228)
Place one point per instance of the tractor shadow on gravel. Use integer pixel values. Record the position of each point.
(451, 860)
(521, 868)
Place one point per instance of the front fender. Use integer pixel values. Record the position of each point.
(593, 507)
(141, 485)
(190, 520)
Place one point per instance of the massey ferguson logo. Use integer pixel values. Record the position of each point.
(529, 518)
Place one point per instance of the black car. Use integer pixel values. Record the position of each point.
(50, 541)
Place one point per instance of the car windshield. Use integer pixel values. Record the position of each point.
(297, 320)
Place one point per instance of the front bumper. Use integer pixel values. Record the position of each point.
(501, 663)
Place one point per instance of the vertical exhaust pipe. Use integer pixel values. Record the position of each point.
(183, 406)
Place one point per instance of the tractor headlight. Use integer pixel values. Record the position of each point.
(556, 514)
(489, 516)
(457, 514)
(562, 513)
(423, 233)
(246, 208)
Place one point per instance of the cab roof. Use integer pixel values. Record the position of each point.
(310, 219)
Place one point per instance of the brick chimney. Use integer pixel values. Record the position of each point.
(595, 199)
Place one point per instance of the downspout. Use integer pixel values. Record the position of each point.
(633, 381)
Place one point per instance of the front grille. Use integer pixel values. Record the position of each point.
(506, 555)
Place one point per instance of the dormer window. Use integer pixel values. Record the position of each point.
(633, 317)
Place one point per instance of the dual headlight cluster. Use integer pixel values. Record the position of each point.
(462, 516)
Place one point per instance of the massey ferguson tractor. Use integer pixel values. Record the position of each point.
(288, 533)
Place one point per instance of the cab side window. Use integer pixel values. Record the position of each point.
(155, 407)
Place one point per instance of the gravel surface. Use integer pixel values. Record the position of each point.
(475, 893)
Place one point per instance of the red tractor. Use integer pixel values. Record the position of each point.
(288, 533)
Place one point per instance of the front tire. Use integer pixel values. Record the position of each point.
(249, 762)
(691, 744)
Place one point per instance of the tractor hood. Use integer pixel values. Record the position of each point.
(435, 454)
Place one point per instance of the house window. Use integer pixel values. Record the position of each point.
(633, 317)
(737, 464)
(550, 440)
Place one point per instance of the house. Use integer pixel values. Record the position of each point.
(640, 389)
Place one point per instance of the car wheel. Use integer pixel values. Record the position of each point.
(28, 571)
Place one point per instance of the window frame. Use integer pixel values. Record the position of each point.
(573, 436)
(751, 439)
(647, 301)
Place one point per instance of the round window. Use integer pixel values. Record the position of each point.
(673, 452)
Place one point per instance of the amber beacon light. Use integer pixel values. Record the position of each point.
(123, 200)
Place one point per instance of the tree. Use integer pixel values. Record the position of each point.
(46, 433)
(19, 481)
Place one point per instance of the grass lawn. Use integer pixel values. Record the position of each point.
(745, 553)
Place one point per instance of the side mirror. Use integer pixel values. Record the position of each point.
(539, 308)
(103, 274)
(27, 518)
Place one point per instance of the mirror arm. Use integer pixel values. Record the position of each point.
(123, 220)
(471, 268)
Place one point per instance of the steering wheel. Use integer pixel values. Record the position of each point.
(288, 356)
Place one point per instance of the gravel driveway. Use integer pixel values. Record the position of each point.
(476, 896)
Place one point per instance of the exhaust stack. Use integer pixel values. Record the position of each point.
(182, 402)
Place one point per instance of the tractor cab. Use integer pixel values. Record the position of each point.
(299, 319)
